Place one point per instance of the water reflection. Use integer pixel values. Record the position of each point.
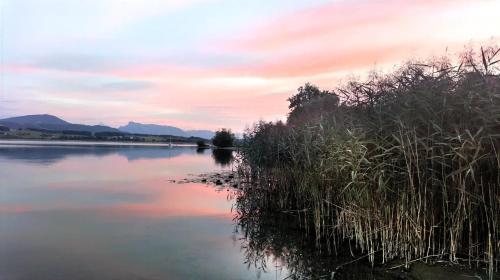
(130, 180)
(224, 157)
(201, 150)
(115, 213)
(53, 154)
(273, 238)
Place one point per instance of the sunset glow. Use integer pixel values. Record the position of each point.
(206, 64)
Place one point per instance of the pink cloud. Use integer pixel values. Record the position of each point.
(334, 19)
(353, 35)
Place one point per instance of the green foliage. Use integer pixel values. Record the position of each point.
(223, 138)
(405, 164)
(263, 143)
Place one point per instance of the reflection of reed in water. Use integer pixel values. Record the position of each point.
(223, 157)
(274, 240)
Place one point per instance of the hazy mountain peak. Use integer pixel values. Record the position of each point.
(156, 129)
(153, 129)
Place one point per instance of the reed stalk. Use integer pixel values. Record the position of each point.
(406, 164)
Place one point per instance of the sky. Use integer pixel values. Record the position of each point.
(208, 64)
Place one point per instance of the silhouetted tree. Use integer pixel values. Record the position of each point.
(311, 104)
(201, 144)
(305, 95)
(223, 138)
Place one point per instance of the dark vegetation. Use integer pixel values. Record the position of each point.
(223, 157)
(271, 240)
(403, 166)
(202, 144)
(223, 138)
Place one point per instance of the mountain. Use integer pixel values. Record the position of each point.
(155, 129)
(207, 134)
(36, 119)
(49, 122)
(152, 129)
(53, 123)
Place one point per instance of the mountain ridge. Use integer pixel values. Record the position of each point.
(37, 118)
(51, 122)
(54, 123)
(156, 129)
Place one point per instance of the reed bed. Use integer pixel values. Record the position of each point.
(403, 166)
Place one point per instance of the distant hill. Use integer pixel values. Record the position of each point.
(36, 119)
(152, 129)
(155, 129)
(53, 123)
(49, 122)
(207, 134)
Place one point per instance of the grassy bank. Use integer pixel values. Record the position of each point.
(399, 166)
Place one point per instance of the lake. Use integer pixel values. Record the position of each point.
(114, 212)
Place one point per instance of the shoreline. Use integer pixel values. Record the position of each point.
(22, 142)
(429, 267)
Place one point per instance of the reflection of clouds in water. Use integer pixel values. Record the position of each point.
(113, 213)
(89, 193)
(85, 245)
(47, 155)
(112, 178)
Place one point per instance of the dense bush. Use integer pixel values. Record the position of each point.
(310, 105)
(201, 144)
(223, 138)
(405, 165)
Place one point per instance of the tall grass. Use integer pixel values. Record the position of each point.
(405, 166)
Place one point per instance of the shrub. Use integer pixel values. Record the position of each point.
(201, 144)
(223, 138)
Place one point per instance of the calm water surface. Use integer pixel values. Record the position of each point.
(111, 212)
